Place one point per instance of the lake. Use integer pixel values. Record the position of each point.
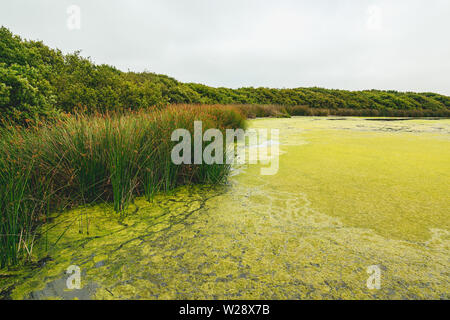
(350, 194)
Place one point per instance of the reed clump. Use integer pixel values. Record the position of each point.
(83, 159)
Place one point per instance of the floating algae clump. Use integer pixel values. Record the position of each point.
(349, 194)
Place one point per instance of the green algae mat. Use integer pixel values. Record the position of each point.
(350, 193)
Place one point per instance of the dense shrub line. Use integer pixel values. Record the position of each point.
(37, 81)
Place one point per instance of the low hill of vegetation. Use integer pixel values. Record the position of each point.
(37, 81)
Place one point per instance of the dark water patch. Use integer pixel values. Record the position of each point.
(391, 119)
(6, 293)
(400, 119)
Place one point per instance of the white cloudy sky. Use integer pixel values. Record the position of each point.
(347, 44)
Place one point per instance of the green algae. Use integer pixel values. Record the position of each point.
(349, 194)
(393, 182)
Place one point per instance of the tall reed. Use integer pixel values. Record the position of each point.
(84, 159)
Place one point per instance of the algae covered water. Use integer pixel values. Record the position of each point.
(350, 193)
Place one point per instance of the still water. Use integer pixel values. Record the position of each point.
(350, 193)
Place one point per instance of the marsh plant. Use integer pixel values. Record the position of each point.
(83, 159)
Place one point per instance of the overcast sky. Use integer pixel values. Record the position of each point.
(345, 44)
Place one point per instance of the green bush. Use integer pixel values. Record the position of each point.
(37, 81)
